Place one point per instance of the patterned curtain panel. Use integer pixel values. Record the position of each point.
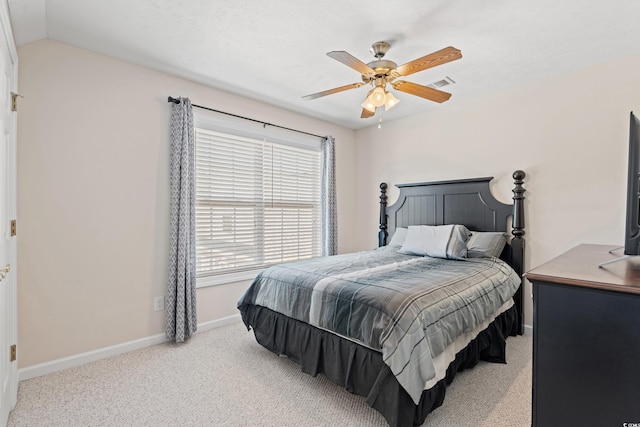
(181, 296)
(328, 198)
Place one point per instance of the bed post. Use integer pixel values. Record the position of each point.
(382, 234)
(517, 242)
(518, 207)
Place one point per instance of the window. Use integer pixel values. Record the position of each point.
(257, 204)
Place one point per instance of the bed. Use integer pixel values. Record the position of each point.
(392, 326)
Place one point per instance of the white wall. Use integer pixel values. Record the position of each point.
(93, 198)
(569, 134)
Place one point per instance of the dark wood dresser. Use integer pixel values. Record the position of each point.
(586, 339)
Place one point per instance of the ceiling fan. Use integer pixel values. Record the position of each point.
(381, 72)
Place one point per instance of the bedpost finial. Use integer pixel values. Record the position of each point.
(519, 176)
(383, 193)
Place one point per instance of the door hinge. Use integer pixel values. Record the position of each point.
(14, 101)
(13, 353)
(13, 227)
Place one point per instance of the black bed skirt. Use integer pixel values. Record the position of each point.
(361, 370)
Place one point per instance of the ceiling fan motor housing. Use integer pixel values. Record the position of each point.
(382, 67)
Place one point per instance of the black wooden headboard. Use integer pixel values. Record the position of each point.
(465, 201)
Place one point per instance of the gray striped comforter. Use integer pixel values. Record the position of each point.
(407, 307)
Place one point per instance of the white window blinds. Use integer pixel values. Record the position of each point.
(257, 203)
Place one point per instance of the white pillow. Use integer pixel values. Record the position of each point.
(438, 241)
(398, 237)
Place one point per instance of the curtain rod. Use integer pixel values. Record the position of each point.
(177, 101)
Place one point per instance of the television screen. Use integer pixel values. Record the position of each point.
(632, 229)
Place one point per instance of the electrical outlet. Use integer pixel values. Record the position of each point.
(158, 303)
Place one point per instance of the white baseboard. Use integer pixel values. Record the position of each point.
(219, 322)
(114, 350)
(528, 330)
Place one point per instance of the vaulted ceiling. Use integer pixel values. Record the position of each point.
(275, 51)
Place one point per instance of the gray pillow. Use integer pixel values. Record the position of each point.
(486, 244)
(438, 241)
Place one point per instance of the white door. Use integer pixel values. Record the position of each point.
(8, 284)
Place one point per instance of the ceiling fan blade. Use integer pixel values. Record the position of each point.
(351, 61)
(334, 90)
(366, 114)
(440, 57)
(421, 91)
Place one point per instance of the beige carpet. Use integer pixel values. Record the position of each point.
(222, 377)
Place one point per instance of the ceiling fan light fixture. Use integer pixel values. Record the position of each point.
(378, 96)
(391, 101)
(368, 103)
